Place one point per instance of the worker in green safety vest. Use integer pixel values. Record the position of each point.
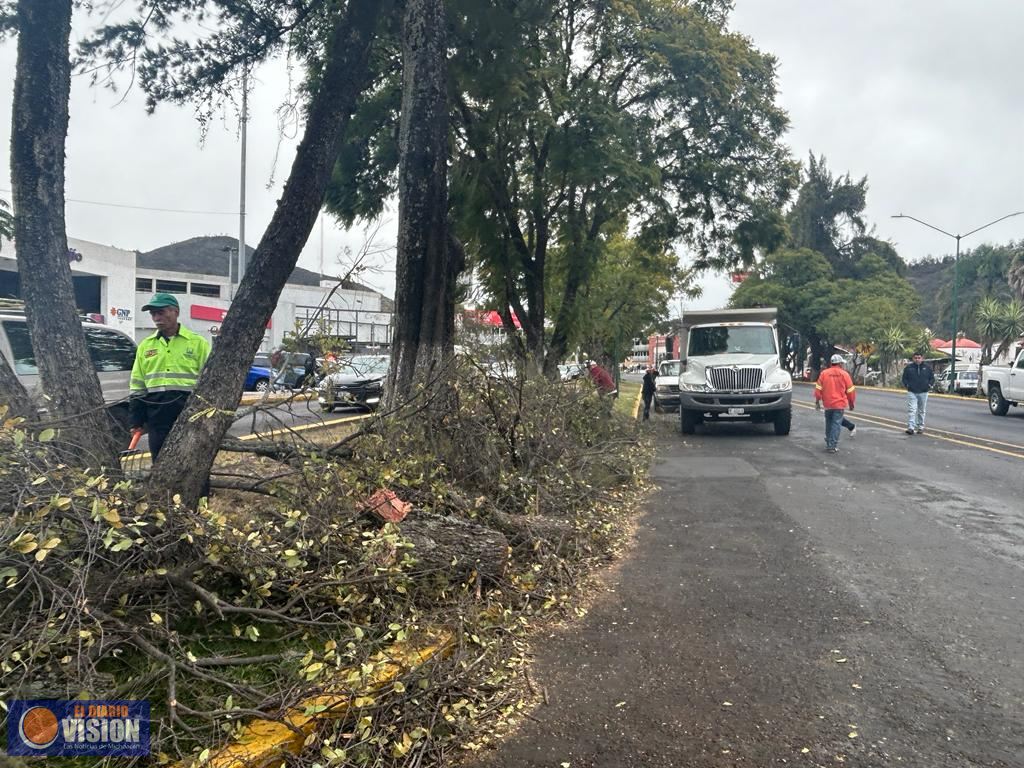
(167, 366)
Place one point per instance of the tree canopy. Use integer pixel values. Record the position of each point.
(833, 283)
(569, 115)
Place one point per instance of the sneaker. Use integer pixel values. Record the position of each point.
(853, 431)
(919, 431)
(831, 450)
(909, 431)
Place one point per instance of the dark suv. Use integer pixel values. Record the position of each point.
(358, 381)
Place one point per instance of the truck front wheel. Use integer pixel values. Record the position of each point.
(997, 404)
(688, 421)
(783, 420)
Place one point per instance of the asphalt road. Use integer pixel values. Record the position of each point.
(277, 417)
(784, 606)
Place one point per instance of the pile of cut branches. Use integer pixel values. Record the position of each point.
(259, 600)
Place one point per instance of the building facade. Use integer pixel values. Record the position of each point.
(112, 285)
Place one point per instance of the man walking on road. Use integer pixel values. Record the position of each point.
(167, 365)
(648, 390)
(918, 379)
(835, 389)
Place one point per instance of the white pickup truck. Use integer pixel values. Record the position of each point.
(1004, 385)
(730, 369)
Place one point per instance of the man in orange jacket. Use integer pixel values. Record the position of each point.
(835, 389)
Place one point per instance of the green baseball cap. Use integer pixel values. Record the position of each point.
(161, 300)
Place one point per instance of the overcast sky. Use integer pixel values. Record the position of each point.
(925, 97)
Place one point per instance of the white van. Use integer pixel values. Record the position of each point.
(112, 353)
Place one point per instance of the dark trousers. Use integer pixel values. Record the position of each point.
(156, 440)
(647, 406)
(847, 423)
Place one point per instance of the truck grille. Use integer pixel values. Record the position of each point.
(733, 379)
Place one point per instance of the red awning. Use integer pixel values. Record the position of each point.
(212, 314)
(489, 317)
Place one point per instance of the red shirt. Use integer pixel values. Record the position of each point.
(835, 388)
(602, 379)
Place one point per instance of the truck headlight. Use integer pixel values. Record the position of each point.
(692, 386)
(779, 386)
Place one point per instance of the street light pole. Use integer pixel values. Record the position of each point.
(956, 274)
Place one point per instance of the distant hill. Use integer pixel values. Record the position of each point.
(982, 272)
(930, 279)
(209, 256)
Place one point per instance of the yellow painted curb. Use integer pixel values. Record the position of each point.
(636, 405)
(250, 398)
(266, 742)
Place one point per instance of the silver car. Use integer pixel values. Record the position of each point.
(112, 353)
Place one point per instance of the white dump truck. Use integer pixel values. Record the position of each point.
(1004, 385)
(730, 369)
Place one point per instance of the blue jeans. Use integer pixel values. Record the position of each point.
(833, 426)
(916, 402)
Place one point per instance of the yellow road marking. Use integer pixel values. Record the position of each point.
(884, 421)
(945, 396)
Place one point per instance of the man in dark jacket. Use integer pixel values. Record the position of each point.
(647, 392)
(918, 379)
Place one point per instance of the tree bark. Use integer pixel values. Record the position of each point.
(14, 395)
(186, 458)
(424, 335)
(42, 87)
(455, 547)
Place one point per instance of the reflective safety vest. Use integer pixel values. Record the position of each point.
(835, 388)
(166, 365)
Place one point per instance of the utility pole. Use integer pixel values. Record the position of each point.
(241, 195)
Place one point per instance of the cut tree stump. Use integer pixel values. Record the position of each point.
(529, 528)
(455, 547)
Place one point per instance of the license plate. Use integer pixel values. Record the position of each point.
(736, 411)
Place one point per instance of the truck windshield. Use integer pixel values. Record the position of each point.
(741, 339)
(670, 368)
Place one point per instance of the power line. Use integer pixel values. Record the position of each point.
(143, 207)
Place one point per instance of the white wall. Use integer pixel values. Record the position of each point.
(117, 289)
(283, 319)
(116, 269)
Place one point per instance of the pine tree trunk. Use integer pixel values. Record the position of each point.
(427, 268)
(188, 454)
(42, 87)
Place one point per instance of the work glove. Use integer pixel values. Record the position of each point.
(817, 405)
(851, 406)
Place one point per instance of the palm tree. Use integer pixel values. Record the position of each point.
(988, 317)
(891, 345)
(1011, 325)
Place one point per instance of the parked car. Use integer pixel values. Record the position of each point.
(112, 353)
(293, 374)
(666, 387)
(571, 371)
(258, 379)
(504, 370)
(358, 381)
(966, 382)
